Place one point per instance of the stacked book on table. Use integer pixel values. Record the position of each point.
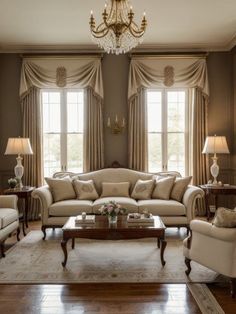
(136, 218)
(88, 219)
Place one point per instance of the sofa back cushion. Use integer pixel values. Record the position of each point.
(179, 188)
(85, 190)
(143, 189)
(114, 175)
(163, 188)
(115, 189)
(61, 189)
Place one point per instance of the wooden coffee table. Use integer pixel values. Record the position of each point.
(101, 230)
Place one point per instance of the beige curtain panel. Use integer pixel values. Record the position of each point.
(32, 128)
(61, 72)
(163, 72)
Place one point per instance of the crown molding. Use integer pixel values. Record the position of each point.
(143, 48)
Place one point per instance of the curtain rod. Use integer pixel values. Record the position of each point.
(171, 56)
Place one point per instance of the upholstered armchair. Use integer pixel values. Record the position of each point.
(212, 247)
(9, 219)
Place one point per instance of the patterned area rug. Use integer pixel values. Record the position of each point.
(33, 260)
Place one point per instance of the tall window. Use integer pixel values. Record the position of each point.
(167, 130)
(63, 116)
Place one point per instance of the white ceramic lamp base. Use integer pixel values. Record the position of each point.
(19, 170)
(214, 170)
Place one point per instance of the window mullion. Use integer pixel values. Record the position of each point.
(164, 137)
(63, 131)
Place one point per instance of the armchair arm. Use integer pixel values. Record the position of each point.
(45, 196)
(206, 228)
(189, 200)
(8, 201)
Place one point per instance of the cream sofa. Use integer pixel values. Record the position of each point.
(9, 218)
(173, 213)
(212, 247)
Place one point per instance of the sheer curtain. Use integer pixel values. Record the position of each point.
(61, 72)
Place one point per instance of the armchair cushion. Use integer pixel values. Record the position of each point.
(225, 218)
(7, 216)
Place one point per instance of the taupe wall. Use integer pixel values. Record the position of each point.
(222, 107)
(220, 117)
(10, 111)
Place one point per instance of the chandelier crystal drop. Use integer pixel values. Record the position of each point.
(118, 33)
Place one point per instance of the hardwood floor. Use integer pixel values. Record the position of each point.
(97, 298)
(104, 298)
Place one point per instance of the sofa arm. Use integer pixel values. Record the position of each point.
(8, 201)
(189, 200)
(206, 228)
(45, 196)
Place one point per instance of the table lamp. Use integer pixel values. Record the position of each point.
(19, 146)
(215, 145)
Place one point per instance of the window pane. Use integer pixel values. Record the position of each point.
(75, 112)
(51, 149)
(51, 112)
(154, 111)
(176, 152)
(154, 152)
(75, 152)
(176, 111)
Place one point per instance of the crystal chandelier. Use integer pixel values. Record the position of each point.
(118, 33)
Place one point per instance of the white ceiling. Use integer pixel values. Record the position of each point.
(27, 25)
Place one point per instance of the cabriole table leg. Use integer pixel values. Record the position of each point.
(64, 248)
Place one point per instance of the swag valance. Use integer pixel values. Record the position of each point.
(156, 72)
(58, 72)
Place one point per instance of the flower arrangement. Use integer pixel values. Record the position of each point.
(112, 209)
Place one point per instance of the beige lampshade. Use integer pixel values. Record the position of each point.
(18, 146)
(215, 145)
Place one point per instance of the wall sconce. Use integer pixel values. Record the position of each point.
(116, 126)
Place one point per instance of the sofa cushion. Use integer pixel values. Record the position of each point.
(7, 216)
(163, 188)
(179, 187)
(70, 208)
(126, 202)
(162, 207)
(225, 218)
(114, 175)
(143, 189)
(61, 189)
(120, 189)
(85, 190)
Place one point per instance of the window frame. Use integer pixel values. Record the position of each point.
(63, 122)
(164, 119)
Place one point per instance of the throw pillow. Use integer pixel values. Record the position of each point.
(115, 189)
(163, 188)
(143, 189)
(61, 189)
(85, 190)
(179, 188)
(225, 218)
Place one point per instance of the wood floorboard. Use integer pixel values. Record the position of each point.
(104, 298)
